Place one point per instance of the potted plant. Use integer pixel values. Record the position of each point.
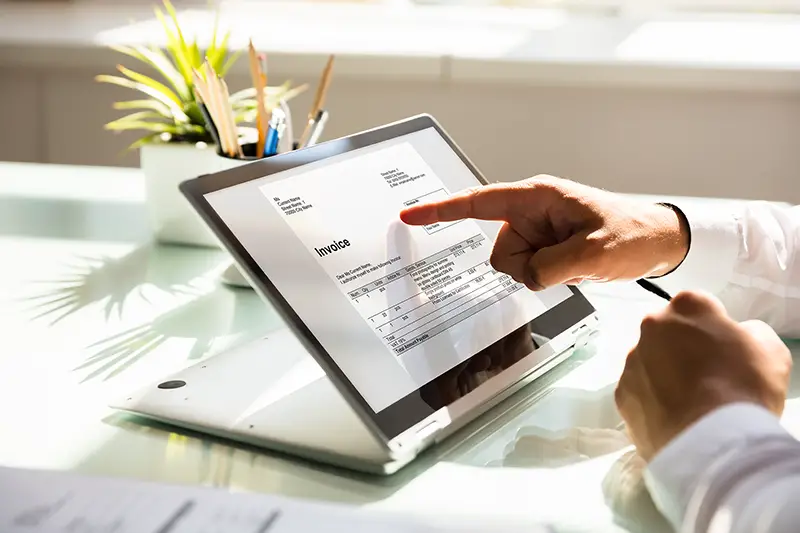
(176, 144)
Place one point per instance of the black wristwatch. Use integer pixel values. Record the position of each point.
(649, 285)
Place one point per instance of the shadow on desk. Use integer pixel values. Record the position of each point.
(115, 280)
(205, 311)
(203, 320)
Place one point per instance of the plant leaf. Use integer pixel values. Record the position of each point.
(160, 127)
(230, 62)
(248, 115)
(147, 139)
(197, 56)
(272, 100)
(184, 46)
(289, 93)
(154, 57)
(153, 105)
(150, 82)
(174, 48)
(160, 62)
(176, 111)
(195, 115)
(250, 92)
(217, 56)
(143, 115)
(127, 50)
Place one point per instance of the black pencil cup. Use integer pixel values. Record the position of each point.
(248, 151)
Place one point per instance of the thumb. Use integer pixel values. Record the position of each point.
(575, 258)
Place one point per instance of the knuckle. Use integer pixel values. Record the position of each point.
(471, 192)
(544, 182)
(688, 298)
(689, 302)
(595, 247)
(650, 322)
(472, 195)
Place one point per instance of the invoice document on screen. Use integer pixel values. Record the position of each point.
(428, 293)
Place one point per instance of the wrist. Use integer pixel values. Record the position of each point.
(675, 238)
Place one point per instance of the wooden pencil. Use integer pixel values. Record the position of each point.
(226, 96)
(319, 100)
(258, 83)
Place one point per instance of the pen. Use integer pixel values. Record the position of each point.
(276, 126)
(287, 139)
(210, 126)
(319, 125)
(319, 102)
(649, 286)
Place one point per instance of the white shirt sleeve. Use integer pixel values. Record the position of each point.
(750, 259)
(734, 471)
(737, 470)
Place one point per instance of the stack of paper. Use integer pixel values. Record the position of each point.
(47, 502)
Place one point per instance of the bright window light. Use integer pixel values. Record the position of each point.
(745, 41)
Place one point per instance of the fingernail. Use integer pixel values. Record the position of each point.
(533, 286)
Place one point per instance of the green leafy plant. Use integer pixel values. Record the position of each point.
(170, 111)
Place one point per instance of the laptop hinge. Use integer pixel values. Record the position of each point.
(427, 430)
(583, 335)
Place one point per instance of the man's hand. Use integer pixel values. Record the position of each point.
(558, 231)
(691, 359)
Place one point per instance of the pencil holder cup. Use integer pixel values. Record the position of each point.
(165, 166)
(248, 152)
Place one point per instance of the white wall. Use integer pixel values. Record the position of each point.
(680, 141)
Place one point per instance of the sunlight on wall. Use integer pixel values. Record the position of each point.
(363, 30)
(748, 41)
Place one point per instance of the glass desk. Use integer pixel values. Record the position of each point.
(89, 309)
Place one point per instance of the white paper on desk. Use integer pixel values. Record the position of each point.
(47, 502)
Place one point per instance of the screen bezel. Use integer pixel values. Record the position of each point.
(410, 410)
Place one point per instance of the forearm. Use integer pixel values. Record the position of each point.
(750, 260)
(736, 470)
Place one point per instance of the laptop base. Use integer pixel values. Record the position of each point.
(268, 393)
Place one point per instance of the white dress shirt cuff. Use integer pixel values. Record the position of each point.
(712, 256)
(674, 473)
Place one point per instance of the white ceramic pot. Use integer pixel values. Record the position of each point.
(165, 166)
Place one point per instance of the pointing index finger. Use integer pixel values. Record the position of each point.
(489, 202)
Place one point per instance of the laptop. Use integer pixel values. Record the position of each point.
(396, 336)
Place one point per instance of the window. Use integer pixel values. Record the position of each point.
(606, 7)
(639, 6)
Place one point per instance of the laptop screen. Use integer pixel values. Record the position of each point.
(413, 317)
